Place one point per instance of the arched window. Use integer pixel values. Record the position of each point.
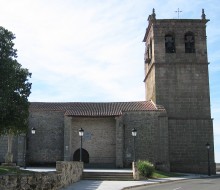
(170, 44)
(189, 42)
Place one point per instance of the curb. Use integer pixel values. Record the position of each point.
(170, 181)
(154, 183)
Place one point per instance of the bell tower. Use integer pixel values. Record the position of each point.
(176, 76)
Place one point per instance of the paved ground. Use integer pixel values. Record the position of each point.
(113, 185)
(211, 183)
(108, 170)
(118, 185)
(40, 169)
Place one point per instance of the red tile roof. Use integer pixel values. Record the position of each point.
(95, 108)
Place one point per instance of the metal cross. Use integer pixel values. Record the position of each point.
(178, 11)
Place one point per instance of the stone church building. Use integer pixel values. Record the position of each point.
(173, 124)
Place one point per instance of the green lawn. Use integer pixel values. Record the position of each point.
(161, 174)
(12, 170)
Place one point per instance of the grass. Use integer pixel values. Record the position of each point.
(12, 170)
(161, 174)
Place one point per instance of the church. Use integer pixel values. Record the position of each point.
(173, 124)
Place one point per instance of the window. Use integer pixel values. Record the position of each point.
(189, 43)
(148, 52)
(150, 49)
(170, 44)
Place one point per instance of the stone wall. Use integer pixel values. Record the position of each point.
(218, 167)
(150, 82)
(67, 173)
(70, 172)
(46, 146)
(187, 140)
(98, 139)
(119, 149)
(151, 142)
(181, 83)
(4, 148)
(183, 89)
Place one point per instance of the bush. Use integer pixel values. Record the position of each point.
(145, 168)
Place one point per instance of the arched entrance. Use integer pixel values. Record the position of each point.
(85, 156)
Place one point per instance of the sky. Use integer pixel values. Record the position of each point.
(92, 50)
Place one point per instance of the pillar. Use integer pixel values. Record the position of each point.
(119, 142)
(67, 138)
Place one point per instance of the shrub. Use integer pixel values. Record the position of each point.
(145, 168)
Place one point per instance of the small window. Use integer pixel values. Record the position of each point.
(148, 53)
(170, 44)
(189, 43)
(150, 50)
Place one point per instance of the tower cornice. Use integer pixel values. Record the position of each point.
(152, 20)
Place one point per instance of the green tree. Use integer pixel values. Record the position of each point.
(14, 91)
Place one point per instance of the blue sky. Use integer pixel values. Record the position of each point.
(92, 50)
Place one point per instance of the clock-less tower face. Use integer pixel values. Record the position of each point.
(176, 66)
(176, 76)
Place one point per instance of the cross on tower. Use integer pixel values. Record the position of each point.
(178, 11)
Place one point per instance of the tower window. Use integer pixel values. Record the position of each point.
(189, 43)
(170, 44)
(148, 53)
(150, 50)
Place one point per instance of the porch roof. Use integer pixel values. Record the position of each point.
(95, 108)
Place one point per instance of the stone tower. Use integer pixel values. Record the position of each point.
(176, 76)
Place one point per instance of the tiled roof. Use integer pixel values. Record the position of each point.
(94, 108)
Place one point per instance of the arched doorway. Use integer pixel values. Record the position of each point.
(85, 156)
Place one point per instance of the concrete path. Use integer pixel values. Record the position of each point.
(40, 169)
(113, 185)
(117, 185)
(109, 170)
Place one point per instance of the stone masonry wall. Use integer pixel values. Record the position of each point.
(150, 83)
(187, 145)
(181, 85)
(151, 142)
(119, 149)
(99, 138)
(67, 173)
(218, 167)
(4, 148)
(180, 79)
(183, 90)
(71, 172)
(46, 146)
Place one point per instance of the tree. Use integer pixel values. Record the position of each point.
(14, 91)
